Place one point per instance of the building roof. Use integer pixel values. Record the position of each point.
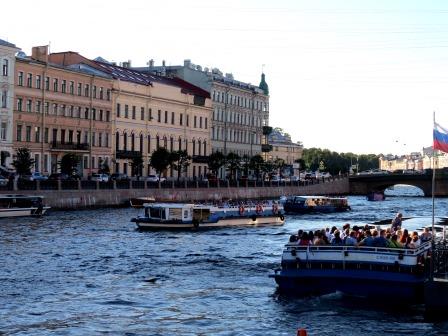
(145, 78)
(7, 44)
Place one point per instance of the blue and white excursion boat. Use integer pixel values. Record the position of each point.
(307, 204)
(22, 205)
(186, 216)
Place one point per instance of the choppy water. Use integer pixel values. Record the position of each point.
(91, 273)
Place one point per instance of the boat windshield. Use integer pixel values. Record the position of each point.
(157, 212)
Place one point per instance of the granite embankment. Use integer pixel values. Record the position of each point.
(88, 198)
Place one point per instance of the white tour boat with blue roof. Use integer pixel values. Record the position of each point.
(186, 216)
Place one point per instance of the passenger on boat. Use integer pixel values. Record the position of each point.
(408, 243)
(337, 241)
(396, 222)
(426, 235)
(380, 240)
(350, 240)
(345, 230)
(394, 243)
(404, 236)
(319, 240)
(368, 240)
(324, 237)
(415, 240)
(304, 241)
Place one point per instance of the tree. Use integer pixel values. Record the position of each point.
(23, 162)
(233, 163)
(180, 161)
(256, 164)
(245, 164)
(268, 168)
(160, 160)
(215, 161)
(279, 165)
(104, 168)
(136, 165)
(69, 164)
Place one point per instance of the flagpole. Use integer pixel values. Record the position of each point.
(433, 179)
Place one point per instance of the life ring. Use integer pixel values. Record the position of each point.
(275, 208)
(241, 210)
(282, 218)
(259, 209)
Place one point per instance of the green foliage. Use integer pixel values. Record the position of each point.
(136, 165)
(215, 161)
(23, 162)
(160, 160)
(180, 160)
(256, 164)
(69, 163)
(233, 163)
(104, 168)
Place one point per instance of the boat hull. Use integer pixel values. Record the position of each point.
(22, 212)
(323, 209)
(145, 223)
(363, 283)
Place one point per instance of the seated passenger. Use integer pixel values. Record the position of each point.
(408, 243)
(319, 239)
(404, 236)
(351, 239)
(368, 240)
(394, 243)
(381, 240)
(304, 241)
(292, 238)
(426, 235)
(415, 241)
(337, 241)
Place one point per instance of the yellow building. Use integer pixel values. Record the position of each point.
(283, 148)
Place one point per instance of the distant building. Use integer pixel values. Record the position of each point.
(62, 109)
(283, 147)
(240, 110)
(414, 161)
(7, 63)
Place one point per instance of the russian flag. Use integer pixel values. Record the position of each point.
(440, 138)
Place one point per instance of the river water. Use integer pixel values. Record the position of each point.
(92, 273)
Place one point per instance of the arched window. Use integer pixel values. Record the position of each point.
(125, 141)
(117, 141)
(171, 144)
(199, 147)
(149, 143)
(165, 142)
(205, 147)
(194, 147)
(141, 143)
(180, 143)
(132, 142)
(157, 142)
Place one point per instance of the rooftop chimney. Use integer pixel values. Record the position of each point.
(40, 53)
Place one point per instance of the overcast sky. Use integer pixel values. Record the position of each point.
(350, 76)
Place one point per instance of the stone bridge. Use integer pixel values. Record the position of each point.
(363, 184)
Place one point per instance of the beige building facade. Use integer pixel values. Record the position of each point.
(7, 64)
(60, 110)
(151, 111)
(415, 161)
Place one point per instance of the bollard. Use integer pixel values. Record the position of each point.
(301, 332)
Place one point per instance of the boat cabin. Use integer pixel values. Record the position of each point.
(177, 212)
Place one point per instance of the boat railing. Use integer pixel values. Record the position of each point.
(349, 248)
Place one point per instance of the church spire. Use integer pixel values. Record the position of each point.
(263, 85)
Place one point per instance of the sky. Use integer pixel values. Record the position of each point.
(345, 75)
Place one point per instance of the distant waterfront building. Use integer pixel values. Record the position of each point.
(62, 109)
(283, 147)
(151, 111)
(7, 63)
(240, 110)
(414, 161)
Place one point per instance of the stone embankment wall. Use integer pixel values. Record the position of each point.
(78, 199)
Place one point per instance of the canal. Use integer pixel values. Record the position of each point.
(92, 273)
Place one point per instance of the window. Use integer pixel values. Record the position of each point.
(29, 105)
(166, 117)
(181, 119)
(87, 90)
(19, 104)
(29, 80)
(5, 99)
(172, 118)
(38, 106)
(70, 136)
(159, 116)
(3, 131)
(108, 94)
(205, 147)
(194, 123)
(86, 162)
(5, 67)
(125, 141)
(93, 162)
(188, 121)
(64, 86)
(72, 87)
(55, 85)
(132, 142)
(117, 141)
(93, 139)
(107, 140)
(142, 113)
(141, 143)
(79, 89)
(101, 115)
(101, 92)
(149, 143)
(126, 111)
(194, 147)
(38, 81)
(150, 114)
(206, 126)
(62, 136)
(200, 122)
(72, 111)
(37, 134)
(20, 80)
(19, 133)
(107, 115)
(94, 91)
(55, 109)
(133, 112)
(100, 139)
(47, 107)
(86, 113)
(118, 110)
(47, 83)
(46, 135)
(28, 134)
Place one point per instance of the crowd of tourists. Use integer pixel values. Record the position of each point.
(392, 237)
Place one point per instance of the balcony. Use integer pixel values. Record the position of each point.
(126, 154)
(70, 146)
(200, 159)
(266, 148)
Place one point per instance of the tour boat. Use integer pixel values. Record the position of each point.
(21, 205)
(306, 204)
(186, 216)
(376, 196)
